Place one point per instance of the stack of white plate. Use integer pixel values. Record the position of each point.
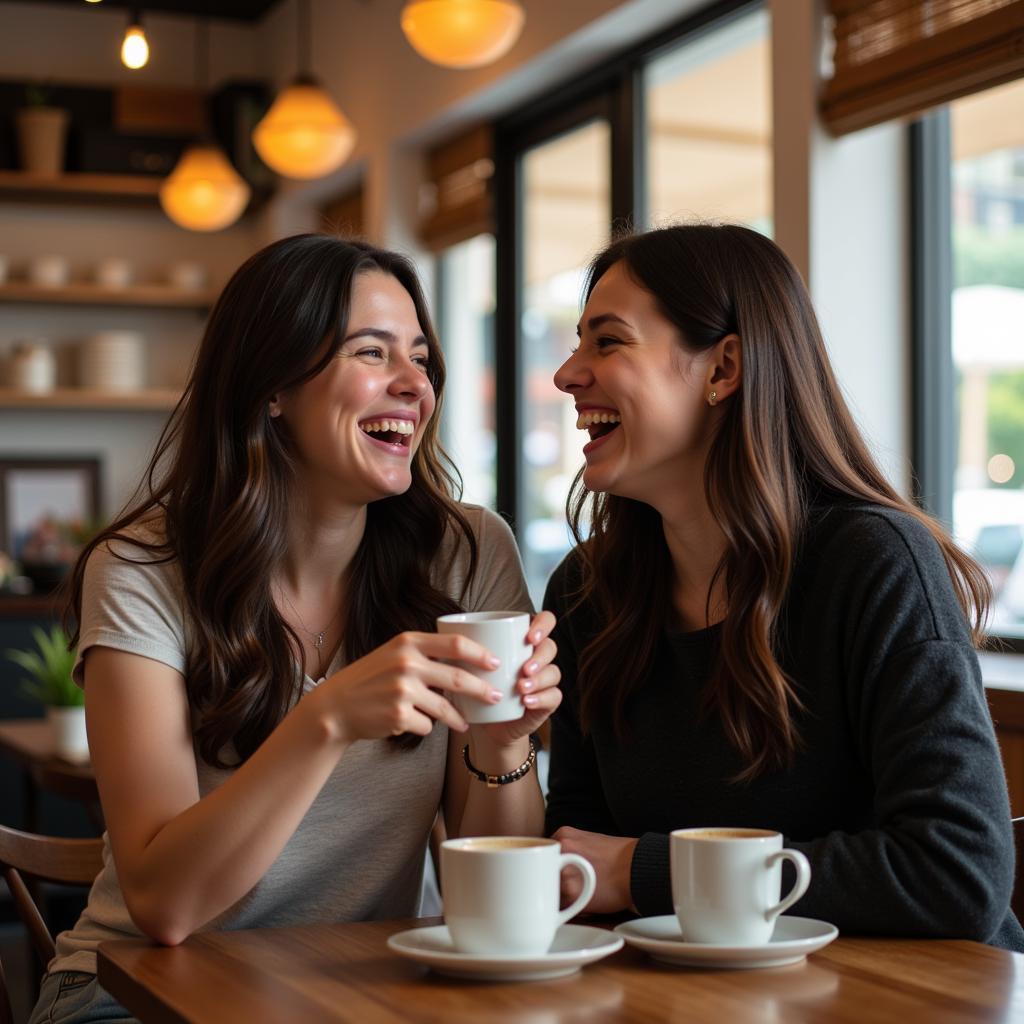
(112, 361)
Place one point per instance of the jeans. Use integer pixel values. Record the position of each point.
(73, 997)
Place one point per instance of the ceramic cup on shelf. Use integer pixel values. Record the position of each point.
(727, 883)
(188, 276)
(32, 368)
(113, 272)
(501, 893)
(49, 271)
(112, 361)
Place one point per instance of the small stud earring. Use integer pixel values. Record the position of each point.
(712, 398)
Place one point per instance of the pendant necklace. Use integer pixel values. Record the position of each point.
(318, 638)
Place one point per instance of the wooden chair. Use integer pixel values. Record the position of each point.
(49, 859)
(72, 785)
(1017, 899)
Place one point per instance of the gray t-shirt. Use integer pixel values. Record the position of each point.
(358, 852)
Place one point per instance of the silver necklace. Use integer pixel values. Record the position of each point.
(317, 637)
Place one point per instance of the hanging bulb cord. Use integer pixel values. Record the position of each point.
(304, 46)
(202, 76)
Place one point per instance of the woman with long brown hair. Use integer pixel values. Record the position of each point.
(267, 700)
(755, 629)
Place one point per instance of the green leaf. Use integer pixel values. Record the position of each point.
(49, 669)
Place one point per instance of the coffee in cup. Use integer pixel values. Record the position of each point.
(727, 883)
(504, 635)
(501, 893)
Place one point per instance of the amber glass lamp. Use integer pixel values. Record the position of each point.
(203, 192)
(462, 33)
(304, 134)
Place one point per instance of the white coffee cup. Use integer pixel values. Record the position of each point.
(187, 276)
(501, 893)
(504, 635)
(49, 271)
(727, 883)
(114, 272)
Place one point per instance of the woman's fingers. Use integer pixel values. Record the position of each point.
(440, 709)
(453, 679)
(546, 678)
(543, 654)
(452, 647)
(540, 627)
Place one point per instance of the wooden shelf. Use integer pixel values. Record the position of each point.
(155, 399)
(153, 295)
(127, 189)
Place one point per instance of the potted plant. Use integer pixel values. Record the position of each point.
(49, 680)
(42, 130)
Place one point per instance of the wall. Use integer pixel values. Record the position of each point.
(841, 214)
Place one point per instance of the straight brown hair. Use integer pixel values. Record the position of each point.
(785, 438)
(218, 486)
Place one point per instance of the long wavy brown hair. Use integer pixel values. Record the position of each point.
(221, 478)
(784, 438)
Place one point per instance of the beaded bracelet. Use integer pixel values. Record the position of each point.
(493, 781)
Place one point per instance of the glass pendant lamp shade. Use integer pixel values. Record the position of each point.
(303, 134)
(462, 33)
(204, 192)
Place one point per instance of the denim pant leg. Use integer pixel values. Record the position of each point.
(74, 997)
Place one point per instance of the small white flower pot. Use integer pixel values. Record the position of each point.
(69, 737)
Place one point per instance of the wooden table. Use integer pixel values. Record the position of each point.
(28, 741)
(346, 973)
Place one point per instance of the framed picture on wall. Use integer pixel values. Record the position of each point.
(48, 507)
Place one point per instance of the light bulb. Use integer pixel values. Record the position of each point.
(135, 48)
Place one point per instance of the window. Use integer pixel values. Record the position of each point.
(566, 184)
(987, 336)
(708, 127)
(466, 290)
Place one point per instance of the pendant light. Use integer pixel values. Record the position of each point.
(462, 33)
(303, 134)
(203, 192)
(135, 46)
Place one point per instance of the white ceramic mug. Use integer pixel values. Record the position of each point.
(49, 271)
(114, 272)
(187, 276)
(504, 635)
(727, 883)
(501, 893)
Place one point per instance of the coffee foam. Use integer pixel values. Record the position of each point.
(727, 833)
(503, 843)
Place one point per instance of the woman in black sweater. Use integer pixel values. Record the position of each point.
(757, 629)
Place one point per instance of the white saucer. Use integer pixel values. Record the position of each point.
(661, 938)
(574, 946)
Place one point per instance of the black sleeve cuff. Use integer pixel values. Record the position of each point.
(650, 875)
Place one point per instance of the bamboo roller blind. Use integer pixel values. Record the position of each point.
(459, 201)
(895, 58)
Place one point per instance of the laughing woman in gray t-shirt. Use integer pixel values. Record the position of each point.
(268, 706)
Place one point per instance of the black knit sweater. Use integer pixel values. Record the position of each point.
(897, 794)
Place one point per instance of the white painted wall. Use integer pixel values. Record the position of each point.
(841, 215)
